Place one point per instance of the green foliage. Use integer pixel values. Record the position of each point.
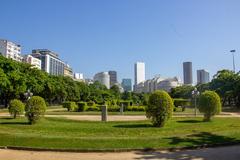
(160, 108)
(16, 107)
(184, 91)
(113, 108)
(181, 102)
(93, 108)
(82, 106)
(71, 106)
(209, 104)
(35, 108)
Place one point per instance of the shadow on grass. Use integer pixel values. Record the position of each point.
(190, 121)
(202, 138)
(134, 126)
(6, 118)
(199, 139)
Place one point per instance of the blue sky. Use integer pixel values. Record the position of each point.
(102, 35)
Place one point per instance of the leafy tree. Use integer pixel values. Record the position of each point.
(160, 108)
(209, 104)
(115, 91)
(16, 107)
(184, 91)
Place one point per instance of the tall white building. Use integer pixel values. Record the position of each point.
(35, 62)
(202, 76)
(10, 50)
(51, 63)
(139, 73)
(103, 78)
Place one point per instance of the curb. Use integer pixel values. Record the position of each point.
(174, 149)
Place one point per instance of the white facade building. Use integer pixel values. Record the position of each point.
(157, 83)
(50, 61)
(78, 76)
(35, 62)
(10, 50)
(139, 73)
(103, 78)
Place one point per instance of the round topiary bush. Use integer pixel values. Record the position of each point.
(160, 108)
(16, 107)
(209, 104)
(35, 108)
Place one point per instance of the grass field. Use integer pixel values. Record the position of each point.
(56, 133)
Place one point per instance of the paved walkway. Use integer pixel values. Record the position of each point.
(220, 153)
(124, 117)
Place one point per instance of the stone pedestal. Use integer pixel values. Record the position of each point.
(122, 109)
(104, 113)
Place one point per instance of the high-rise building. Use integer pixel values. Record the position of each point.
(35, 62)
(103, 78)
(127, 85)
(50, 61)
(113, 77)
(10, 50)
(139, 72)
(187, 73)
(202, 76)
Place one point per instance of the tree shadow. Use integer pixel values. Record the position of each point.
(14, 123)
(190, 121)
(200, 139)
(203, 138)
(134, 126)
(6, 118)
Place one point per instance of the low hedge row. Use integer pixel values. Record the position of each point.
(83, 106)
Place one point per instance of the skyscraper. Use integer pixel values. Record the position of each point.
(139, 71)
(127, 85)
(187, 73)
(113, 77)
(202, 76)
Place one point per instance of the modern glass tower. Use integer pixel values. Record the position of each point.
(127, 85)
(187, 73)
(202, 76)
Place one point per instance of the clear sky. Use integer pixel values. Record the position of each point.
(102, 35)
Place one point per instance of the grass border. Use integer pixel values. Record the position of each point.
(173, 149)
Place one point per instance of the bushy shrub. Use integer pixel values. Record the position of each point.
(141, 108)
(91, 103)
(181, 102)
(113, 109)
(35, 108)
(82, 106)
(16, 107)
(160, 108)
(209, 104)
(92, 108)
(71, 106)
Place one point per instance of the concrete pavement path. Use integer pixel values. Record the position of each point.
(219, 153)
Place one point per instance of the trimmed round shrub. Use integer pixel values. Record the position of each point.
(35, 109)
(16, 107)
(82, 106)
(71, 106)
(209, 104)
(160, 108)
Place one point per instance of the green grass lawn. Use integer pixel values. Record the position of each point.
(56, 133)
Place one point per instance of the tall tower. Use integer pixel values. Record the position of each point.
(187, 73)
(202, 76)
(113, 77)
(139, 72)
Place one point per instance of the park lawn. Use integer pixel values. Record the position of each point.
(58, 133)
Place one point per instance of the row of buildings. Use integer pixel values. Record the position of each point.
(42, 59)
(158, 82)
(203, 76)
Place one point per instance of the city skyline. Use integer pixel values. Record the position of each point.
(143, 31)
